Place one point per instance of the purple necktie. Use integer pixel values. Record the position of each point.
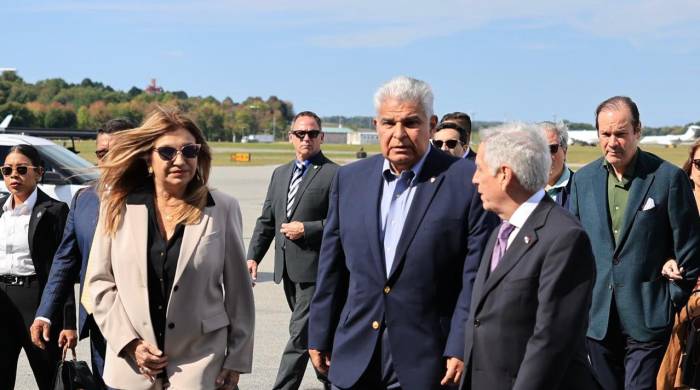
(501, 244)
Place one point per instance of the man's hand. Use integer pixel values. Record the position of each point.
(293, 230)
(671, 271)
(147, 357)
(68, 339)
(40, 331)
(227, 379)
(455, 367)
(253, 270)
(320, 360)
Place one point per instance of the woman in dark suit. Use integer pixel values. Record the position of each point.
(31, 226)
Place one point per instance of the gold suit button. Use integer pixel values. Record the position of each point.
(375, 325)
(387, 289)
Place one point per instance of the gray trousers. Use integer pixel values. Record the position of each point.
(296, 354)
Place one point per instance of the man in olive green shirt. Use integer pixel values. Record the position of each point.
(638, 211)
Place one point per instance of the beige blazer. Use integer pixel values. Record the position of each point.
(211, 303)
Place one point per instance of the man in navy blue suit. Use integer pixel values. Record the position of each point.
(404, 235)
(71, 259)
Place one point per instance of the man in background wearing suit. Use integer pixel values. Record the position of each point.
(639, 211)
(559, 180)
(452, 135)
(404, 234)
(294, 214)
(71, 259)
(529, 308)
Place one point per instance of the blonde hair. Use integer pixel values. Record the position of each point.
(125, 168)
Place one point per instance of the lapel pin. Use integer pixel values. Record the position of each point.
(432, 179)
(38, 215)
(527, 240)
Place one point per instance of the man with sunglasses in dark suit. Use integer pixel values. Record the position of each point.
(452, 135)
(70, 261)
(294, 214)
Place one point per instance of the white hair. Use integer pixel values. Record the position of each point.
(523, 148)
(560, 129)
(406, 89)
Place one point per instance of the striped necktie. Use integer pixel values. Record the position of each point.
(294, 186)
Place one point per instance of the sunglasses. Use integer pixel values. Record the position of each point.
(696, 163)
(22, 170)
(101, 153)
(313, 134)
(451, 144)
(553, 148)
(168, 153)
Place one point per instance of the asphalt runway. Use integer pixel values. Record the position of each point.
(248, 185)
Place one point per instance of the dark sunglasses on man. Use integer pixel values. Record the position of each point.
(313, 134)
(21, 169)
(168, 153)
(451, 143)
(554, 148)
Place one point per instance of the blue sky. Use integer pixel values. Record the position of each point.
(514, 60)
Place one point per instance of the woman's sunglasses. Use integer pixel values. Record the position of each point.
(22, 170)
(168, 153)
(695, 161)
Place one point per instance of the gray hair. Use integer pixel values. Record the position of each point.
(559, 128)
(406, 89)
(523, 148)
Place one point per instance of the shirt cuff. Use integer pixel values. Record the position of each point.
(48, 321)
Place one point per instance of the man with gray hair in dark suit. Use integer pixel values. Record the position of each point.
(529, 306)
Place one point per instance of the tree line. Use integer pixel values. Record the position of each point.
(55, 103)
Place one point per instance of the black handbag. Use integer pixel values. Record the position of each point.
(74, 375)
(690, 359)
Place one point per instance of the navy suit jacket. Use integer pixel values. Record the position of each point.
(71, 258)
(439, 251)
(563, 198)
(661, 222)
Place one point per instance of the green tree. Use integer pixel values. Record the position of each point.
(60, 118)
(83, 118)
(21, 116)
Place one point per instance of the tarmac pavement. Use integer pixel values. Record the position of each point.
(249, 186)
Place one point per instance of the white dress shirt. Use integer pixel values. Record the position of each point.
(522, 213)
(15, 258)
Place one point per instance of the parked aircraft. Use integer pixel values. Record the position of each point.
(5, 123)
(583, 137)
(672, 139)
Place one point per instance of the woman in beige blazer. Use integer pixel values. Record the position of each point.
(167, 275)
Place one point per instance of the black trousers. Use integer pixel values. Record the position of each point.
(296, 353)
(621, 362)
(18, 305)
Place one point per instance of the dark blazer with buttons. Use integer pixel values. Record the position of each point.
(45, 231)
(70, 261)
(437, 257)
(528, 320)
(653, 231)
(298, 257)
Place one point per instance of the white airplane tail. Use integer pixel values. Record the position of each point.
(5, 123)
(691, 134)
